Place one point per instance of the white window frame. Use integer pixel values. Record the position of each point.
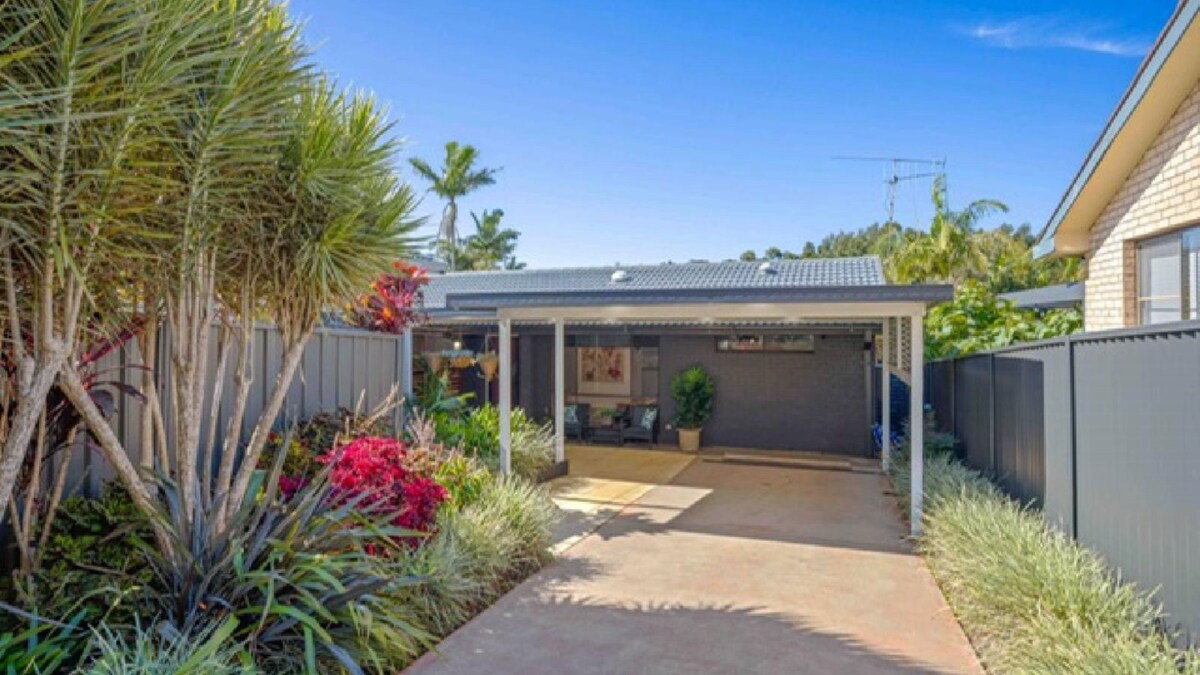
(1187, 240)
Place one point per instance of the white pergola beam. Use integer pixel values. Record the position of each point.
(748, 312)
(506, 396)
(560, 390)
(916, 422)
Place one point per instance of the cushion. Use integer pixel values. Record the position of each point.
(648, 417)
(571, 414)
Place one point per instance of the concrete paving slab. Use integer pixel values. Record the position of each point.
(726, 569)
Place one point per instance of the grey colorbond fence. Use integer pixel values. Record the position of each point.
(340, 367)
(1102, 431)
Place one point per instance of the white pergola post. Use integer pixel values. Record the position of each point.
(560, 390)
(885, 394)
(916, 421)
(505, 395)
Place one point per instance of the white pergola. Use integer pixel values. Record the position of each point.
(898, 310)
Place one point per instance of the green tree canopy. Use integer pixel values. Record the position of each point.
(981, 263)
(977, 320)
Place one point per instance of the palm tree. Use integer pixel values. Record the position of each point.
(457, 177)
(90, 92)
(950, 252)
(177, 158)
(491, 247)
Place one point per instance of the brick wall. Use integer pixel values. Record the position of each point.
(1162, 193)
(781, 401)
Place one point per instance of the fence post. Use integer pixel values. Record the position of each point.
(954, 397)
(401, 371)
(1074, 439)
(992, 415)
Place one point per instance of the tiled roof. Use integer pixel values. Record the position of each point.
(699, 276)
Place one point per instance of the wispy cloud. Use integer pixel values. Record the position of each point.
(1045, 32)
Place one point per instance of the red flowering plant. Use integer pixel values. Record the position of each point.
(396, 301)
(314, 436)
(377, 473)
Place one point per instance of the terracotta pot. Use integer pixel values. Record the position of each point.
(689, 440)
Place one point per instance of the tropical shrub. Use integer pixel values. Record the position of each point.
(478, 434)
(435, 400)
(93, 561)
(693, 390)
(375, 474)
(310, 438)
(464, 479)
(1031, 599)
(396, 301)
(977, 320)
(302, 575)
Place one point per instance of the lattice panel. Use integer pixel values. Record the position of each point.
(899, 337)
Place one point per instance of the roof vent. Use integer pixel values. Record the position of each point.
(766, 268)
(618, 276)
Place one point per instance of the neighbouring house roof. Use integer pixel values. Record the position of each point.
(1167, 75)
(475, 296)
(691, 276)
(429, 263)
(1048, 297)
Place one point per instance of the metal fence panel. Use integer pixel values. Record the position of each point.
(340, 368)
(1019, 430)
(973, 410)
(939, 394)
(1138, 461)
(1100, 431)
(1057, 401)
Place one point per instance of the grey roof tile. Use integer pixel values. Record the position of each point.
(786, 274)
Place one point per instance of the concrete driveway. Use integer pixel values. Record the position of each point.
(718, 568)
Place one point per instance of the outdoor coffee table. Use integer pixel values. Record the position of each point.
(605, 435)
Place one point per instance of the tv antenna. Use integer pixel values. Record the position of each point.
(901, 169)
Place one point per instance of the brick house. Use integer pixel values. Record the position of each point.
(1133, 209)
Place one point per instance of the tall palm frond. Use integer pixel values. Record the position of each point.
(491, 247)
(341, 218)
(951, 250)
(457, 177)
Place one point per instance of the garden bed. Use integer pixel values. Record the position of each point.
(1031, 599)
(361, 551)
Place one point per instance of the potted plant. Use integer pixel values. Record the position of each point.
(693, 391)
(611, 413)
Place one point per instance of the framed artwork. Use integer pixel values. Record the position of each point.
(604, 371)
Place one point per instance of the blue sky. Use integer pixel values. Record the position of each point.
(640, 131)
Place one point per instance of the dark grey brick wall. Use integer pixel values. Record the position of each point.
(816, 402)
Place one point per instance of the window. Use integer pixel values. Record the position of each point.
(1169, 277)
(766, 343)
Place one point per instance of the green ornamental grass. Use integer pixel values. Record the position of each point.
(1030, 598)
